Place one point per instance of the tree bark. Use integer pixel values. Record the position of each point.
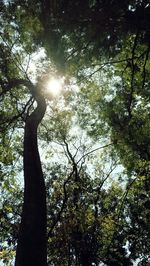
(32, 241)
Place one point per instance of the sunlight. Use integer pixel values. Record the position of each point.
(54, 86)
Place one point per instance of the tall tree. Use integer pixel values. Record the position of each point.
(32, 241)
(107, 40)
(16, 85)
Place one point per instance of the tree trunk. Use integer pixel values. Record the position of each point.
(31, 248)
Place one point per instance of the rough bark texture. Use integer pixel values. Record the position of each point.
(31, 248)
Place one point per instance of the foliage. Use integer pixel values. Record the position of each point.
(96, 212)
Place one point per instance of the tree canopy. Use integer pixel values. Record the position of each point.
(86, 198)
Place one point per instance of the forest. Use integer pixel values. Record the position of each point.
(74, 133)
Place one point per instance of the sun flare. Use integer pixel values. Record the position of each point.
(54, 86)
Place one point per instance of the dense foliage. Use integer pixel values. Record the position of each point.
(94, 139)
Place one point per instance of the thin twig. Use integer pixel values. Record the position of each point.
(99, 148)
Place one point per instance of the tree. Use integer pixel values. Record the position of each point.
(104, 47)
(31, 248)
(32, 234)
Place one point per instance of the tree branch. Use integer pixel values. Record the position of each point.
(99, 148)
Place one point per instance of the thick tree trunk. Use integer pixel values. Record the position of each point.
(31, 248)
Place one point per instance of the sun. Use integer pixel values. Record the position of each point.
(54, 86)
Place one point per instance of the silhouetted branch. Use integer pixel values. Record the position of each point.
(56, 219)
(99, 148)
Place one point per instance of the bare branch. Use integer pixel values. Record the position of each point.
(99, 148)
(56, 219)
